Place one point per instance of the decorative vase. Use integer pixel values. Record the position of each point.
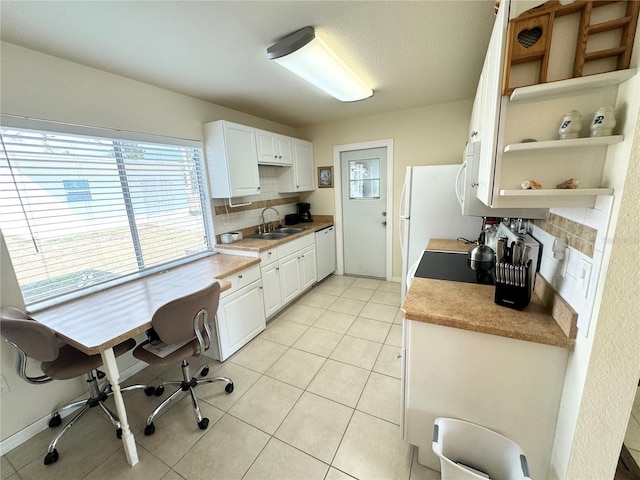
(570, 125)
(603, 121)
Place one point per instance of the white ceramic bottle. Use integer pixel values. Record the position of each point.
(603, 121)
(570, 125)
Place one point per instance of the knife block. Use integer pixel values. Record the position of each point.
(514, 296)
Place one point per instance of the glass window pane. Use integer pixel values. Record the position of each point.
(78, 211)
(364, 179)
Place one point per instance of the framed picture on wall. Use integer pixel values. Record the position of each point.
(325, 177)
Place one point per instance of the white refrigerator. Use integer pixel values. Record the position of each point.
(429, 209)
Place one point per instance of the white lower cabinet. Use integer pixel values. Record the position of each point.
(308, 266)
(290, 278)
(271, 289)
(287, 271)
(510, 386)
(240, 314)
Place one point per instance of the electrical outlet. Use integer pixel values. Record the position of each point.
(584, 276)
(4, 386)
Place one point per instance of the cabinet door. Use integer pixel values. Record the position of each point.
(308, 268)
(242, 159)
(290, 281)
(240, 317)
(267, 148)
(475, 127)
(303, 165)
(491, 103)
(271, 289)
(284, 147)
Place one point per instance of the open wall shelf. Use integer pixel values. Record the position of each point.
(586, 142)
(571, 85)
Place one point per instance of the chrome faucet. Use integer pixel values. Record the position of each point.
(264, 210)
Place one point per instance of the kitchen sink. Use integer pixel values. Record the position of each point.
(271, 235)
(278, 234)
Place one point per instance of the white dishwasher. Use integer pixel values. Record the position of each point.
(325, 252)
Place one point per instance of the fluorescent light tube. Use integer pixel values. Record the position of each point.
(306, 55)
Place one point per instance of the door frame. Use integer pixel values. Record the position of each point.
(337, 167)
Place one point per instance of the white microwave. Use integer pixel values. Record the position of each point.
(467, 187)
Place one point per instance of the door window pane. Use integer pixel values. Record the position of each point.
(364, 179)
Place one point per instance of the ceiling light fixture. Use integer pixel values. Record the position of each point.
(306, 55)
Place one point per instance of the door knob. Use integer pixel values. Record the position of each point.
(384, 214)
(384, 223)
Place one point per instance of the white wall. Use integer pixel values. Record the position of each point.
(44, 87)
(604, 368)
(433, 135)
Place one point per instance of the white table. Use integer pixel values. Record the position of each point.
(97, 322)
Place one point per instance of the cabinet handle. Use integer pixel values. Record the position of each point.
(474, 133)
(398, 355)
(269, 253)
(258, 188)
(239, 276)
(277, 269)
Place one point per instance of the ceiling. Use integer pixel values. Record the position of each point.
(412, 53)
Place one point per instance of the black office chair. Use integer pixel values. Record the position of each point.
(60, 361)
(182, 324)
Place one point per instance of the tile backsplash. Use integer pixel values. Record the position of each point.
(229, 219)
(575, 275)
(576, 235)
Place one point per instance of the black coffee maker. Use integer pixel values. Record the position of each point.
(304, 214)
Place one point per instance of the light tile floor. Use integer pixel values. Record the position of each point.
(317, 396)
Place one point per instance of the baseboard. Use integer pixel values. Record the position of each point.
(42, 424)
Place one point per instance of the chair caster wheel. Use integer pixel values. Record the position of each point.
(149, 391)
(205, 372)
(55, 421)
(229, 388)
(149, 429)
(159, 391)
(119, 433)
(203, 424)
(51, 457)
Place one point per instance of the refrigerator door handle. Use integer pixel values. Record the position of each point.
(402, 217)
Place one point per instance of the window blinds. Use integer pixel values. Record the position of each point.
(80, 211)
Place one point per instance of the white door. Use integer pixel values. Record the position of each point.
(364, 215)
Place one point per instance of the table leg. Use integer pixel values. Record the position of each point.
(109, 361)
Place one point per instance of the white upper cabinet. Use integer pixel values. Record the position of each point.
(232, 162)
(490, 86)
(519, 132)
(274, 149)
(298, 178)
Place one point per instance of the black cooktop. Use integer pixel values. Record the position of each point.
(450, 266)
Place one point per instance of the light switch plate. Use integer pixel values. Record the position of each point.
(584, 276)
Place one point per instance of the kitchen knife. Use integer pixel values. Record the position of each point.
(520, 242)
(500, 247)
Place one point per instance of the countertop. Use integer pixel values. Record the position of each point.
(259, 245)
(129, 307)
(471, 307)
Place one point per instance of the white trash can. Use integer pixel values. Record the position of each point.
(469, 451)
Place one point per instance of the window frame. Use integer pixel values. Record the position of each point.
(10, 121)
